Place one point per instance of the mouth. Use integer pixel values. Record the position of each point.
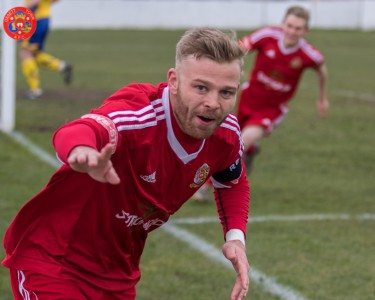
(206, 120)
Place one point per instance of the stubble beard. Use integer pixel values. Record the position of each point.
(185, 121)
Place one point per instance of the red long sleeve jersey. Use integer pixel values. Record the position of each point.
(97, 230)
(277, 69)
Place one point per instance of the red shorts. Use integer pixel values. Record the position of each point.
(266, 116)
(34, 286)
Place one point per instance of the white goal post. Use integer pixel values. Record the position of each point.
(7, 75)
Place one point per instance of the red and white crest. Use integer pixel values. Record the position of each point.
(201, 176)
(19, 23)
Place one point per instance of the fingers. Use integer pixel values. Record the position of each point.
(96, 164)
(244, 276)
(235, 252)
(78, 162)
(110, 174)
(238, 292)
(92, 159)
(242, 267)
(106, 152)
(80, 155)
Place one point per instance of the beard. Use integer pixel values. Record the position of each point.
(185, 119)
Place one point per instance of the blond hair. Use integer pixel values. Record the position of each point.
(299, 12)
(210, 43)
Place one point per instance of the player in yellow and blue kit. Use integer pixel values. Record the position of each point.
(32, 52)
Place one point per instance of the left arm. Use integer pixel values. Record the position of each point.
(232, 197)
(322, 104)
(235, 252)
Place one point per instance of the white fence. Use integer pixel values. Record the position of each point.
(235, 14)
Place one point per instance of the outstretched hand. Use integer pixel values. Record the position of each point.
(96, 164)
(235, 252)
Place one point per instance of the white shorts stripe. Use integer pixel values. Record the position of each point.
(21, 280)
(24, 292)
(284, 110)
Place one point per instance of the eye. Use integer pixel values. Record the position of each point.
(226, 94)
(201, 88)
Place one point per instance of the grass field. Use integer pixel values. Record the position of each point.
(308, 167)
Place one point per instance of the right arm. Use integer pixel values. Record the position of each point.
(255, 39)
(86, 147)
(322, 104)
(96, 164)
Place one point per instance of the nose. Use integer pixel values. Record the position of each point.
(211, 101)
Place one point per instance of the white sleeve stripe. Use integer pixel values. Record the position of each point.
(237, 130)
(233, 117)
(155, 105)
(131, 112)
(263, 33)
(233, 120)
(314, 54)
(150, 115)
(230, 127)
(134, 125)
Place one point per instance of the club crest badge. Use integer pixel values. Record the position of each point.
(296, 63)
(200, 176)
(271, 53)
(19, 23)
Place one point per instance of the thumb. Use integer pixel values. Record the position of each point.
(112, 176)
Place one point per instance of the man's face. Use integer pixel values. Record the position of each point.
(294, 29)
(203, 93)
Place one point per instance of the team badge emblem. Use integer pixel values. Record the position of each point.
(200, 176)
(296, 63)
(271, 53)
(19, 23)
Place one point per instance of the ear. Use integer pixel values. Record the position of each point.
(172, 80)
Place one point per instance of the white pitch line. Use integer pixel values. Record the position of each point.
(279, 218)
(34, 149)
(355, 95)
(267, 283)
(350, 94)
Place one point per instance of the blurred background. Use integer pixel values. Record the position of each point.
(239, 14)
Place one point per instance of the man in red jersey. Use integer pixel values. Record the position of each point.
(282, 56)
(128, 166)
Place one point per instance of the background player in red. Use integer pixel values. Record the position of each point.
(128, 166)
(282, 56)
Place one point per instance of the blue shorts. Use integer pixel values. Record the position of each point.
(37, 40)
